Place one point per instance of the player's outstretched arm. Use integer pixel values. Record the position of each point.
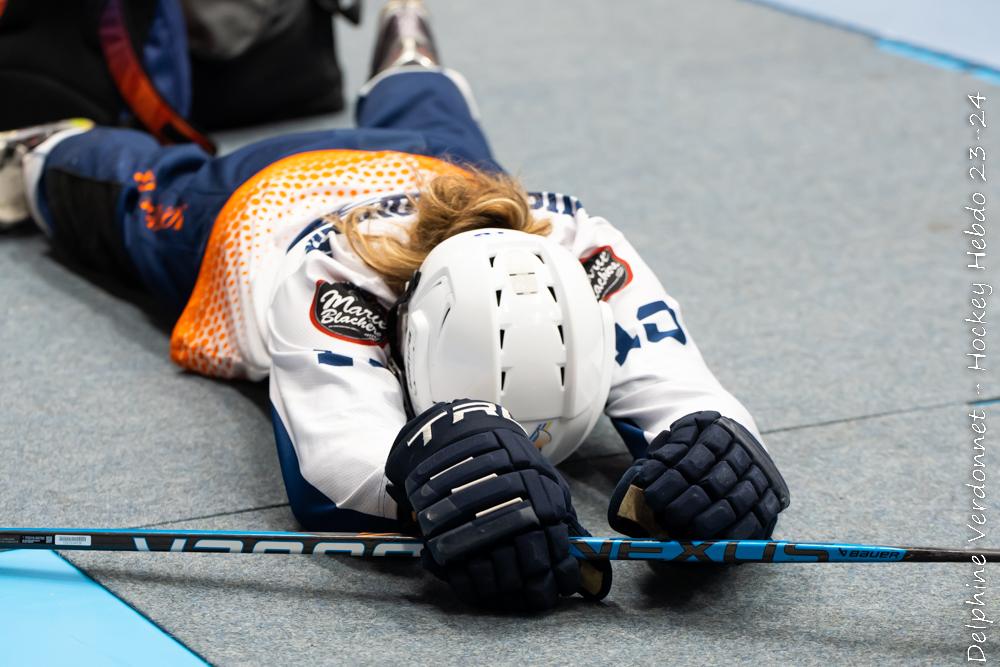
(702, 470)
(496, 516)
(336, 406)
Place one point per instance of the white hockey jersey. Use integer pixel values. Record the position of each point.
(281, 294)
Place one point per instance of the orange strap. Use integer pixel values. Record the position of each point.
(154, 112)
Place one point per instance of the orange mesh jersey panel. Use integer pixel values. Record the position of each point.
(220, 324)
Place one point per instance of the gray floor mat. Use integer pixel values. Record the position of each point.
(236, 609)
(799, 191)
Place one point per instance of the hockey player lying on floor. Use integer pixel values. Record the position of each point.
(435, 337)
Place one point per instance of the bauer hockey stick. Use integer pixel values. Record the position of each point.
(386, 544)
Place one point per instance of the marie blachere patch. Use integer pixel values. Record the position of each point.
(607, 272)
(347, 312)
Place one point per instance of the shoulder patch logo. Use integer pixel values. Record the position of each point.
(344, 311)
(607, 272)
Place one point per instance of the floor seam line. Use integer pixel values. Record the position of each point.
(209, 516)
(874, 415)
(797, 427)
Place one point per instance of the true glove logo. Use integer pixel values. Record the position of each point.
(458, 411)
(343, 311)
(607, 272)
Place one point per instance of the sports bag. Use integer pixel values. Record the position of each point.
(128, 63)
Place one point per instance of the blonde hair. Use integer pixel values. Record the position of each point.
(448, 205)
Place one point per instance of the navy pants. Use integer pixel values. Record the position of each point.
(102, 191)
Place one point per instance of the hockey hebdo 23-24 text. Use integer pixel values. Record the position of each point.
(976, 616)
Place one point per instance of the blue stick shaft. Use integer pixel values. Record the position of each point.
(378, 545)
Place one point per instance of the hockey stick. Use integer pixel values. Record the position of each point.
(386, 544)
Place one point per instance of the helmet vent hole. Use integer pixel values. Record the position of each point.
(552, 291)
(562, 376)
(562, 336)
(502, 332)
(503, 379)
(492, 259)
(499, 293)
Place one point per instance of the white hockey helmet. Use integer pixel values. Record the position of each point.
(509, 317)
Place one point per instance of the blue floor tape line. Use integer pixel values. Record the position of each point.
(53, 613)
(905, 49)
(938, 60)
(922, 55)
(991, 75)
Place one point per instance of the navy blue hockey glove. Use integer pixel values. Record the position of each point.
(496, 517)
(707, 477)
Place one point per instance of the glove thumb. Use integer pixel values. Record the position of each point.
(595, 575)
